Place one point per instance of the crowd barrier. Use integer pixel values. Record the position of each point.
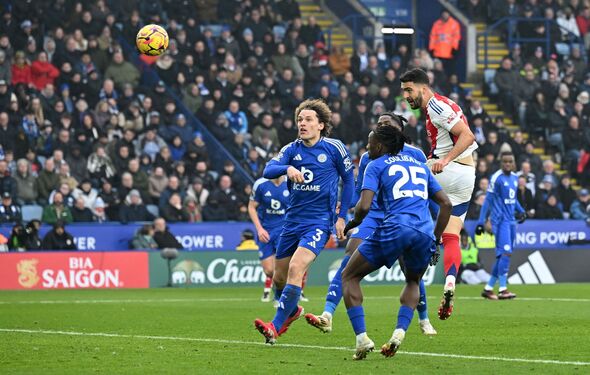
(143, 269)
(223, 236)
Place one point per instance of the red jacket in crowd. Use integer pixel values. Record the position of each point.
(43, 73)
(21, 74)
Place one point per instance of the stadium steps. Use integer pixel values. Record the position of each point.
(340, 35)
(496, 49)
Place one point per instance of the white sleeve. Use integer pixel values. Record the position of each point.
(443, 115)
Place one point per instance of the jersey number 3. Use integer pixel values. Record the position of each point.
(412, 173)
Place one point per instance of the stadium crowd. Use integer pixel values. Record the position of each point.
(82, 137)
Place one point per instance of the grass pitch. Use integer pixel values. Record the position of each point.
(209, 331)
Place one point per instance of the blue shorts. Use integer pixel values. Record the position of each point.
(268, 249)
(366, 228)
(311, 236)
(505, 233)
(392, 241)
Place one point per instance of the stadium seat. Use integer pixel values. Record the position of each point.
(31, 212)
(153, 209)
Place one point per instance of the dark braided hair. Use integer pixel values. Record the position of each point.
(391, 138)
(400, 120)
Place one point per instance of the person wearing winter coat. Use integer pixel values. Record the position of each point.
(27, 190)
(58, 238)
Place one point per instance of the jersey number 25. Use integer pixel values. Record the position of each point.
(419, 188)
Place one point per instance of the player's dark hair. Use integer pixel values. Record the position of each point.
(400, 120)
(322, 111)
(506, 153)
(415, 75)
(391, 138)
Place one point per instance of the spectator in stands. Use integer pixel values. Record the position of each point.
(26, 184)
(78, 163)
(58, 238)
(174, 211)
(339, 62)
(476, 205)
(531, 180)
(173, 187)
(549, 209)
(566, 195)
(311, 32)
(549, 171)
(32, 241)
(100, 165)
(507, 80)
(579, 208)
(47, 181)
(574, 141)
(134, 209)
(144, 238)
(16, 242)
(9, 212)
(525, 196)
(223, 203)
(445, 37)
(81, 213)
(7, 182)
(157, 183)
(65, 177)
(536, 164)
(198, 192)
(236, 118)
(87, 193)
(140, 178)
(121, 71)
(43, 72)
(57, 210)
(21, 70)
(163, 237)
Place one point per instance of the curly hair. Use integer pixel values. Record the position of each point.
(390, 137)
(322, 111)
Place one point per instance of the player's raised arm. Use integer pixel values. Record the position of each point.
(444, 214)
(465, 139)
(280, 166)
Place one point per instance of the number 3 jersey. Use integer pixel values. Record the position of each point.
(322, 166)
(272, 202)
(404, 186)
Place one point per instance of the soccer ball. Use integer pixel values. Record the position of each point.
(152, 40)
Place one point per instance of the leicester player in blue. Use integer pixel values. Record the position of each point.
(314, 165)
(370, 223)
(404, 186)
(502, 203)
(267, 208)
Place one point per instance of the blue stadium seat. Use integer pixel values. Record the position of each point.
(31, 212)
(153, 209)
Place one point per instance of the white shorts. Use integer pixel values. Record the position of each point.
(457, 181)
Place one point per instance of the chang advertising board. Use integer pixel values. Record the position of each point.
(74, 270)
(206, 268)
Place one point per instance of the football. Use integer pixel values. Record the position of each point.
(152, 40)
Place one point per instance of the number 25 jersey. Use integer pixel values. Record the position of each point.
(404, 185)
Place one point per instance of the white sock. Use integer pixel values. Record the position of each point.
(362, 337)
(424, 320)
(327, 315)
(488, 288)
(266, 290)
(501, 289)
(399, 333)
(450, 280)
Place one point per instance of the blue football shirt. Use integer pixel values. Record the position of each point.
(376, 209)
(501, 198)
(272, 201)
(322, 166)
(404, 185)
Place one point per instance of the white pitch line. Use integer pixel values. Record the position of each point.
(300, 346)
(190, 300)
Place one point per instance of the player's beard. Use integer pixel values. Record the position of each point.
(416, 103)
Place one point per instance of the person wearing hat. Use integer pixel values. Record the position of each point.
(9, 212)
(579, 209)
(134, 210)
(58, 238)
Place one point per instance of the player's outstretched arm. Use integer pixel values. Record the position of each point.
(465, 138)
(361, 209)
(279, 165)
(444, 214)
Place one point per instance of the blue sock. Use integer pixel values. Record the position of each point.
(335, 289)
(503, 266)
(494, 277)
(422, 306)
(356, 314)
(287, 304)
(404, 317)
(278, 293)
